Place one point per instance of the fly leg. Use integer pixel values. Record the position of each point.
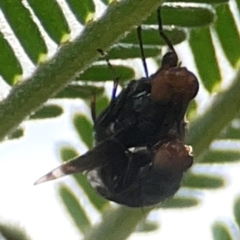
(93, 106)
(161, 32)
(139, 35)
(115, 85)
(170, 59)
(115, 77)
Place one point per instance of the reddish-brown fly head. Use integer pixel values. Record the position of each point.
(175, 83)
(174, 157)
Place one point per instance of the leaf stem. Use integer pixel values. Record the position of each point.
(207, 127)
(118, 224)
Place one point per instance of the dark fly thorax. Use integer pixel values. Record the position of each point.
(135, 119)
(123, 111)
(158, 119)
(155, 121)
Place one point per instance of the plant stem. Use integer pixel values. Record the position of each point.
(118, 224)
(207, 127)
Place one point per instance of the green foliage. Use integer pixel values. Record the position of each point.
(83, 10)
(220, 156)
(151, 37)
(25, 29)
(100, 73)
(228, 33)
(180, 202)
(76, 211)
(221, 232)
(77, 91)
(11, 69)
(13, 232)
(101, 104)
(17, 133)
(47, 111)
(203, 181)
(52, 19)
(237, 210)
(187, 16)
(84, 128)
(147, 226)
(201, 41)
(67, 152)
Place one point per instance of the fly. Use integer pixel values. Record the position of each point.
(140, 158)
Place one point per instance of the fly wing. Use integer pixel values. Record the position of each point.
(79, 164)
(100, 156)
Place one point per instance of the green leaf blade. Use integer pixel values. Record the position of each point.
(231, 131)
(18, 133)
(101, 104)
(102, 73)
(147, 226)
(98, 202)
(228, 34)
(221, 156)
(25, 29)
(203, 181)
(76, 91)
(131, 51)
(52, 19)
(10, 68)
(180, 202)
(47, 111)
(12, 231)
(205, 57)
(151, 37)
(238, 4)
(201, 1)
(236, 210)
(67, 152)
(83, 10)
(187, 16)
(74, 208)
(106, 2)
(221, 232)
(84, 129)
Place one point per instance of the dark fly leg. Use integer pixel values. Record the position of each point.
(93, 107)
(115, 84)
(115, 77)
(161, 32)
(139, 35)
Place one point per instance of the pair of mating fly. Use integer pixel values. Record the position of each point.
(140, 158)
